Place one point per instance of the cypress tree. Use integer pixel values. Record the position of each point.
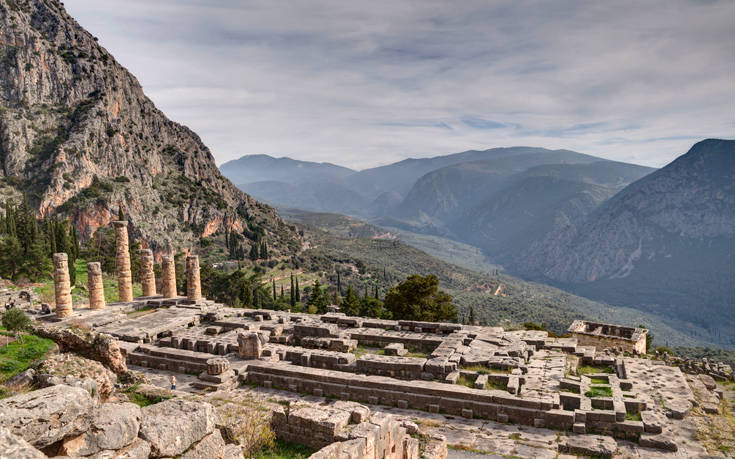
(273, 281)
(264, 250)
(120, 214)
(253, 252)
(281, 291)
(293, 292)
(339, 284)
(298, 294)
(375, 292)
(472, 316)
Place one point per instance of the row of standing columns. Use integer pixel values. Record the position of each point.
(62, 287)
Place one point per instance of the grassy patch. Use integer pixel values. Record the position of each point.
(464, 381)
(633, 416)
(495, 385)
(483, 370)
(591, 369)
(143, 400)
(19, 355)
(574, 390)
(460, 447)
(599, 391)
(599, 381)
(361, 350)
(79, 292)
(284, 450)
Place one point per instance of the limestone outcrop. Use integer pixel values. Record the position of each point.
(46, 416)
(172, 426)
(77, 130)
(58, 368)
(113, 426)
(92, 345)
(14, 446)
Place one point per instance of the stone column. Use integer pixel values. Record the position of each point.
(95, 286)
(168, 277)
(193, 284)
(122, 259)
(147, 276)
(62, 287)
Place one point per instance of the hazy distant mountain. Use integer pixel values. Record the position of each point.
(451, 190)
(399, 177)
(260, 168)
(665, 243)
(313, 196)
(525, 211)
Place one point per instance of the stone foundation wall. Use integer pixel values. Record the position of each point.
(425, 395)
(346, 430)
(605, 342)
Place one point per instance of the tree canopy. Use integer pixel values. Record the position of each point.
(419, 298)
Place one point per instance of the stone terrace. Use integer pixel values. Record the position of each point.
(520, 377)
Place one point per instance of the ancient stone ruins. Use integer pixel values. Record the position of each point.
(592, 386)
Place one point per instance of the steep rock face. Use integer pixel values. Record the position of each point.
(527, 210)
(665, 243)
(691, 198)
(79, 137)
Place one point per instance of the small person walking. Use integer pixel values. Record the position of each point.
(173, 382)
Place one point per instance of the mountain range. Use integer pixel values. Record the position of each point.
(665, 244)
(79, 138)
(657, 240)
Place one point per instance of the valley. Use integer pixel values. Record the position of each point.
(560, 218)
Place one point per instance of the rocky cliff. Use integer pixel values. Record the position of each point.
(79, 137)
(665, 243)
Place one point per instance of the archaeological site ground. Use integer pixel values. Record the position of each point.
(345, 386)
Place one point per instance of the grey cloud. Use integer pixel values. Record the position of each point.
(366, 83)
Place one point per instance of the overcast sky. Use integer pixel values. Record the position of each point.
(369, 83)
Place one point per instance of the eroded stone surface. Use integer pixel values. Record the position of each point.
(15, 447)
(174, 425)
(45, 416)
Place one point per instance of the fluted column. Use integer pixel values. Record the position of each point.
(193, 284)
(62, 287)
(122, 259)
(168, 277)
(147, 276)
(95, 286)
